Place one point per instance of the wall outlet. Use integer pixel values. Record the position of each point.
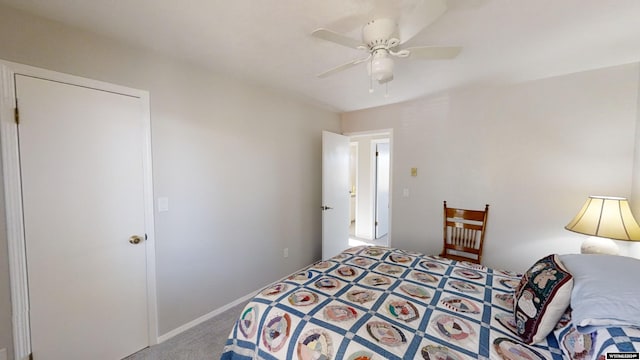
(285, 252)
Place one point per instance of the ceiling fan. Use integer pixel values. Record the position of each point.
(383, 37)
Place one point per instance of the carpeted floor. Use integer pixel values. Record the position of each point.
(202, 342)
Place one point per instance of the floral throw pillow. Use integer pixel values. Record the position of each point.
(541, 298)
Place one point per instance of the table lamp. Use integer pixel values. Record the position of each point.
(605, 218)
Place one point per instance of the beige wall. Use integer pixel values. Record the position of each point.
(534, 151)
(239, 163)
(634, 249)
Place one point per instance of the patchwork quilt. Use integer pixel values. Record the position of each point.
(385, 303)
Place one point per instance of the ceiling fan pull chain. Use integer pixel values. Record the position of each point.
(370, 76)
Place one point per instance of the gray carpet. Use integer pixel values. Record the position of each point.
(202, 342)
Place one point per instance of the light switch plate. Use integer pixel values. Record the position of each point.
(163, 204)
(414, 171)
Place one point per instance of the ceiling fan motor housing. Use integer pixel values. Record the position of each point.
(379, 34)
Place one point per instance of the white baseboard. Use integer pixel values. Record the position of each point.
(203, 318)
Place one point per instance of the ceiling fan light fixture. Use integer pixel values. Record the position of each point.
(381, 66)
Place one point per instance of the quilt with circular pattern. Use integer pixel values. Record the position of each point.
(386, 303)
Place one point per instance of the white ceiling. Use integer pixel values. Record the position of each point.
(269, 41)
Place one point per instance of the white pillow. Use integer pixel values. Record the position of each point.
(606, 290)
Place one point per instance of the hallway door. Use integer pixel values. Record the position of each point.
(335, 194)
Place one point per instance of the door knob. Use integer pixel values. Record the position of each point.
(135, 239)
(324, 207)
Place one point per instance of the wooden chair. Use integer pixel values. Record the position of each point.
(464, 233)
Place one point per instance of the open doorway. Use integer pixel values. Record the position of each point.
(370, 175)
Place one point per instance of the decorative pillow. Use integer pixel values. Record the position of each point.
(605, 291)
(542, 297)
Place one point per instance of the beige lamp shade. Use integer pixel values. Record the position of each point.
(607, 217)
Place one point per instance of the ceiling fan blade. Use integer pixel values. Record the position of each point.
(334, 37)
(434, 52)
(343, 67)
(413, 20)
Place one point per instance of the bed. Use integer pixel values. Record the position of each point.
(386, 303)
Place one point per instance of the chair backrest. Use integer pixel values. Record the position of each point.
(464, 233)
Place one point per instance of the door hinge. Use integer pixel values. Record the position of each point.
(376, 153)
(16, 115)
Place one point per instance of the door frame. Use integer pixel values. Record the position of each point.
(13, 198)
(388, 133)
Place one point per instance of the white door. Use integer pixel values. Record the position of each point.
(83, 188)
(382, 189)
(335, 194)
